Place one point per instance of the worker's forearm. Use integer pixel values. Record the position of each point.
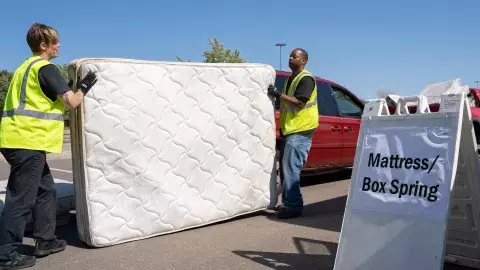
(77, 98)
(292, 101)
(73, 99)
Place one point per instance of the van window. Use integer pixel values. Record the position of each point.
(279, 83)
(326, 102)
(346, 105)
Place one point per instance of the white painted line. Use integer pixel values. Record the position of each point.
(64, 189)
(60, 170)
(54, 179)
(58, 180)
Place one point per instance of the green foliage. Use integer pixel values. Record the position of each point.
(180, 59)
(63, 69)
(219, 54)
(5, 78)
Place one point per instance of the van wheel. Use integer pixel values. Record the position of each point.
(277, 168)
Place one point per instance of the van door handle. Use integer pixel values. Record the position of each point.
(335, 128)
(348, 129)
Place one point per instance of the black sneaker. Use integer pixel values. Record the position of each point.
(18, 261)
(44, 248)
(286, 214)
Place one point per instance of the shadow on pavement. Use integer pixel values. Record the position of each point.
(67, 232)
(448, 266)
(311, 254)
(311, 180)
(327, 214)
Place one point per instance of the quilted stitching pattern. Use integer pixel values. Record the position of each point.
(170, 146)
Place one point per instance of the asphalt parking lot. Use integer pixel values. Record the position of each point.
(256, 241)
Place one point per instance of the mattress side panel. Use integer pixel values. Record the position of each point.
(76, 133)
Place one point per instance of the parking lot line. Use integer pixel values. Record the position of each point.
(60, 170)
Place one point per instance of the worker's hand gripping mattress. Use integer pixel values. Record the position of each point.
(162, 147)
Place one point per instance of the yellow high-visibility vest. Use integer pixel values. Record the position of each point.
(30, 120)
(293, 119)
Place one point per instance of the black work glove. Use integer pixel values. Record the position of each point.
(86, 83)
(273, 91)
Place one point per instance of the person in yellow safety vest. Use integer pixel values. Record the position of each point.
(298, 121)
(31, 126)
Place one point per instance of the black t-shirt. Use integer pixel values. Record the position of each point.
(303, 93)
(52, 82)
(304, 88)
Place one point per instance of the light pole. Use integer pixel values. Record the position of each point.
(477, 83)
(280, 45)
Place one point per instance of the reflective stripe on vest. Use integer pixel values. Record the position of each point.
(295, 109)
(21, 107)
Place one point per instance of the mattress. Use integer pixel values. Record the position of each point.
(160, 147)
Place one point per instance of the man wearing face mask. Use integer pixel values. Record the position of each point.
(31, 126)
(298, 121)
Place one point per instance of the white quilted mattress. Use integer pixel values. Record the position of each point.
(160, 147)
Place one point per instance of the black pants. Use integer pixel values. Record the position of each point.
(30, 189)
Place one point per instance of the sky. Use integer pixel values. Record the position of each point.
(399, 46)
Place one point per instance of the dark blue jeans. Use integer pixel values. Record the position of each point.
(30, 190)
(293, 154)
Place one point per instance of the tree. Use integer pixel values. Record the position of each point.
(219, 54)
(5, 78)
(180, 59)
(63, 69)
(384, 93)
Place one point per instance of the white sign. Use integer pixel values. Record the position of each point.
(400, 195)
(405, 170)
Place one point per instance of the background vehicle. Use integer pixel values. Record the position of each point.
(475, 109)
(335, 140)
(474, 98)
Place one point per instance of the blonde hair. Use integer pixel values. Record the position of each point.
(39, 33)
